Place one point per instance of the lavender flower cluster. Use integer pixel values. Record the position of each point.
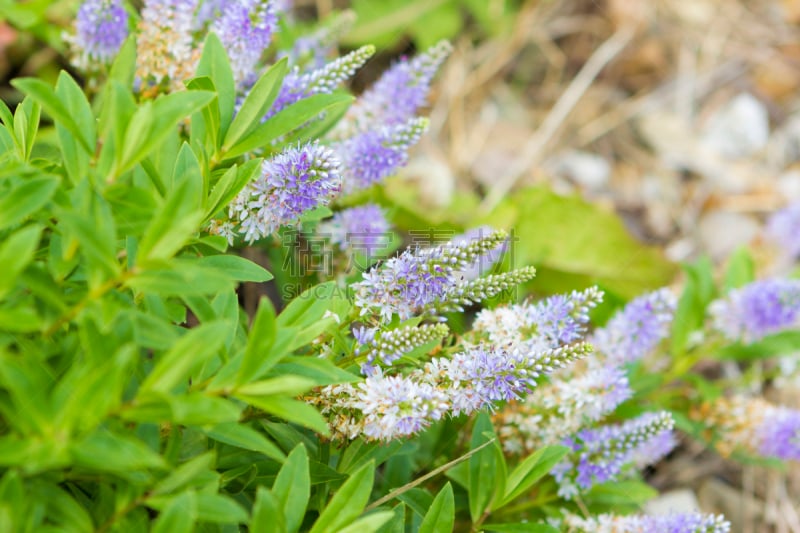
(601, 454)
(755, 425)
(290, 184)
(758, 309)
(101, 27)
(426, 282)
(692, 522)
(386, 407)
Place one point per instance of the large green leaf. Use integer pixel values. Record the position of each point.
(574, 243)
(191, 351)
(441, 515)
(348, 502)
(531, 470)
(15, 254)
(267, 514)
(245, 437)
(292, 488)
(257, 102)
(153, 122)
(179, 515)
(487, 468)
(691, 311)
(56, 108)
(286, 120)
(214, 63)
(26, 197)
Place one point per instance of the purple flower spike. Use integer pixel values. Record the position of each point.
(245, 28)
(424, 282)
(783, 228)
(758, 309)
(402, 90)
(691, 522)
(311, 51)
(388, 346)
(601, 454)
(324, 80)
(396, 406)
(636, 330)
(483, 375)
(292, 183)
(554, 321)
(778, 434)
(363, 229)
(371, 156)
(101, 27)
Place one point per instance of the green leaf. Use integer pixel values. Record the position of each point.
(229, 185)
(197, 409)
(191, 351)
(153, 332)
(45, 96)
(441, 515)
(521, 528)
(20, 319)
(15, 254)
(112, 452)
(691, 311)
(26, 126)
(205, 126)
(123, 69)
(741, 269)
(245, 437)
(398, 520)
(153, 122)
(310, 306)
(75, 158)
(531, 470)
(96, 236)
(369, 524)
(214, 63)
(219, 509)
(287, 385)
(257, 103)
(348, 502)
(60, 507)
(171, 228)
(237, 268)
(26, 197)
(258, 356)
(777, 344)
(286, 120)
(359, 452)
(587, 245)
(71, 94)
(289, 409)
(196, 471)
(418, 500)
(318, 127)
(179, 516)
(321, 371)
(626, 492)
(382, 23)
(267, 514)
(486, 468)
(292, 488)
(180, 278)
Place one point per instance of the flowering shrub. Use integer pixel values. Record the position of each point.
(137, 394)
